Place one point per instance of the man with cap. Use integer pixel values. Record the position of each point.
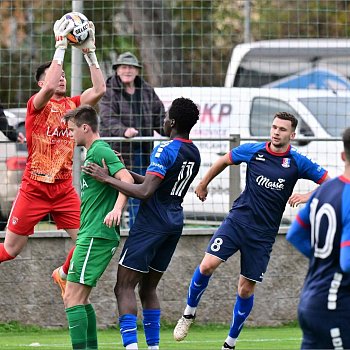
(130, 108)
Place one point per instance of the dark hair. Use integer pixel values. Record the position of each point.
(41, 70)
(346, 142)
(287, 116)
(84, 114)
(185, 112)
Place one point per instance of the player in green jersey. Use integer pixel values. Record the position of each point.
(98, 237)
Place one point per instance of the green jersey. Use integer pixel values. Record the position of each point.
(97, 198)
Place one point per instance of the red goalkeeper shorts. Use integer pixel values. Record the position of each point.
(37, 199)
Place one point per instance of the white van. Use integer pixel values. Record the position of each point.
(247, 112)
(260, 63)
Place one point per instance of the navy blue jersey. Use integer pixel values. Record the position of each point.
(177, 162)
(270, 179)
(322, 232)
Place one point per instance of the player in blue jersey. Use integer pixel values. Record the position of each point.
(321, 231)
(252, 224)
(159, 222)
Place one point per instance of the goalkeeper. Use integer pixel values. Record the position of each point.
(46, 186)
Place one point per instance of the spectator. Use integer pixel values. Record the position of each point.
(131, 108)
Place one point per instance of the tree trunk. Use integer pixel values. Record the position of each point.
(160, 50)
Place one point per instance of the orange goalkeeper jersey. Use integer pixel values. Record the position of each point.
(50, 145)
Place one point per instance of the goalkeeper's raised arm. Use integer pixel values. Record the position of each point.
(92, 95)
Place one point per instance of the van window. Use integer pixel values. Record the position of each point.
(333, 113)
(262, 112)
(265, 63)
(259, 73)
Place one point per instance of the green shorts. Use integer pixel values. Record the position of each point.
(90, 259)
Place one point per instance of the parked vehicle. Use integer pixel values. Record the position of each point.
(325, 63)
(13, 158)
(247, 112)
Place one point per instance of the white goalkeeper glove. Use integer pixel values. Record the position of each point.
(88, 47)
(61, 28)
(89, 44)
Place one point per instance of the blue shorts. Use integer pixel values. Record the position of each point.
(255, 247)
(144, 250)
(324, 329)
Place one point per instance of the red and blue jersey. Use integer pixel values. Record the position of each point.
(270, 179)
(321, 231)
(177, 162)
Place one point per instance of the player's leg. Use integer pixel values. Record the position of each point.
(135, 260)
(124, 290)
(75, 301)
(255, 249)
(90, 259)
(242, 308)
(12, 246)
(222, 245)
(151, 307)
(66, 214)
(22, 221)
(197, 287)
(59, 275)
(165, 248)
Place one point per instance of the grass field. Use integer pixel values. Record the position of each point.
(16, 337)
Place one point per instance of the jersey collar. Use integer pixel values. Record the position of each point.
(268, 149)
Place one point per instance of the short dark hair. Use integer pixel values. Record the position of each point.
(84, 114)
(41, 70)
(287, 116)
(185, 112)
(346, 142)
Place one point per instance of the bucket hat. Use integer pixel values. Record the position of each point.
(128, 59)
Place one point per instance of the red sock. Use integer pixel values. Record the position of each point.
(65, 266)
(4, 255)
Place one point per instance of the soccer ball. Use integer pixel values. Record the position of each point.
(81, 25)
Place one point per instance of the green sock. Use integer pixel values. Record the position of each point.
(92, 328)
(78, 324)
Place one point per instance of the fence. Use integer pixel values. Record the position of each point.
(29, 296)
(222, 190)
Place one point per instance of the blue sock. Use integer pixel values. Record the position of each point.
(240, 313)
(151, 326)
(197, 287)
(128, 329)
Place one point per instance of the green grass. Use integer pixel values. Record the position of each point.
(14, 336)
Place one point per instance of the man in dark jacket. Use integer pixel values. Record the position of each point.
(129, 108)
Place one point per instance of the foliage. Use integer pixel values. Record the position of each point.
(180, 42)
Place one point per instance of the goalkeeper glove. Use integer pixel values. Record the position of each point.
(88, 47)
(61, 28)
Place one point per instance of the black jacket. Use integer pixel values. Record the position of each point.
(117, 115)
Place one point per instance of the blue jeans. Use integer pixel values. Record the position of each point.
(140, 164)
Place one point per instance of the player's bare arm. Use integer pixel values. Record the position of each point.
(220, 165)
(138, 179)
(92, 95)
(51, 81)
(113, 218)
(299, 198)
(141, 191)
